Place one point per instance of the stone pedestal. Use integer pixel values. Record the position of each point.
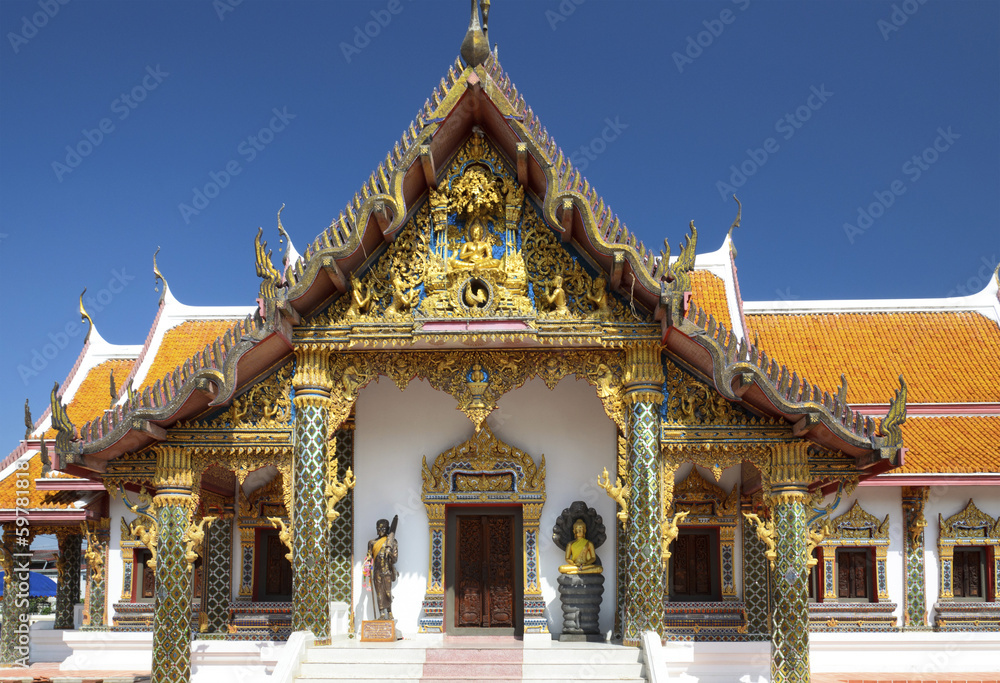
(581, 596)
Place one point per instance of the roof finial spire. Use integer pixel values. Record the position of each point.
(85, 316)
(476, 46)
(158, 277)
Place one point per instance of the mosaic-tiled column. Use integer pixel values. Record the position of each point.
(621, 549)
(790, 589)
(756, 585)
(68, 584)
(310, 594)
(643, 394)
(14, 634)
(218, 559)
(173, 504)
(915, 611)
(95, 605)
(341, 551)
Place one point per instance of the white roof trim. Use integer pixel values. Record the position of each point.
(984, 302)
(175, 313)
(720, 264)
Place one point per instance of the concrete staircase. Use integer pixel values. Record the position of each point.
(456, 659)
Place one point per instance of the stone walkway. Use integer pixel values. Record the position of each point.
(49, 671)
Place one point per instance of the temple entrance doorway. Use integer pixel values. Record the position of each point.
(484, 576)
(274, 571)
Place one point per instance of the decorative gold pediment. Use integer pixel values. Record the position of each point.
(484, 464)
(477, 248)
(692, 402)
(701, 498)
(969, 523)
(857, 524)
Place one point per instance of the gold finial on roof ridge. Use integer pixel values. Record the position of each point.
(739, 213)
(476, 46)
(84, 316)
(157, 275)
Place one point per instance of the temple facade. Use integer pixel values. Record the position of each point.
(475, 344)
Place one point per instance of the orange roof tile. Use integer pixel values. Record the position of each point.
(93, 396)
(951, 445)
(709, 292)
(181, 343)
(9, 490)
(945, 357)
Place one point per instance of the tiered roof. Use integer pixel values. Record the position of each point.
(948, 350)
(708, 332)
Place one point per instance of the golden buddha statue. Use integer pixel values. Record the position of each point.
(476, 253)
(581, 557)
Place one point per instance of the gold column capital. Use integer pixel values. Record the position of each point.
(312, 381)
(173, 477)
(789, 472)
(643, 374)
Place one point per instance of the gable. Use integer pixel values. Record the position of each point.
(477, 248)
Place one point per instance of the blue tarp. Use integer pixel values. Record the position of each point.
(39, 585)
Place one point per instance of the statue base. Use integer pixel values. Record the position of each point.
(581, 596)
(378, 631)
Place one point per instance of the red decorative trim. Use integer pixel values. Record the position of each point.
(977, 479)
(931, 409)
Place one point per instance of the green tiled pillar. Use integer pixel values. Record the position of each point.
(643, 393)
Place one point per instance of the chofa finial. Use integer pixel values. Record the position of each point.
(158, 276)
(739, 213)
(476, 45)
(85, 317)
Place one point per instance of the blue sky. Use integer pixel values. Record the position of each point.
(810, 110)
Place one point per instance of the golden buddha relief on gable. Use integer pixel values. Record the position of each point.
(476, 249)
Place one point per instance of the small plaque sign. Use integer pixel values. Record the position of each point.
(379, 631)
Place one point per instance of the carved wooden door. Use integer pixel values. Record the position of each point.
(484, 580)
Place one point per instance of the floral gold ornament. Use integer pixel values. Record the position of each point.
(618, 492)
(336, 490)
(765, 532)
(814, 537)
(144, 527)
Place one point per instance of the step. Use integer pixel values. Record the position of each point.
(359, 671)
(323, 655)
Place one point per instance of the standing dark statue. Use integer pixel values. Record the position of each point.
(382, 555)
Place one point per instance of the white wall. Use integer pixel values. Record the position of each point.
(115, 571)
(394, 429)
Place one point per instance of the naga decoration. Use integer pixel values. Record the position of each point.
(670, 528)
(684, 264)
(194, 538)
(891, 430)
(336, 490)
(766, 533)
(60, 420)
(112, 390)
(270, 277)
(815, 536)
(144, 528)
(284, 534)
(44, 457)
(619, 493)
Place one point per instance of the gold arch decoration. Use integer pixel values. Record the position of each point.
(970, 528)
(856, 528)
(703, 504)
(478, 378)
(483, 471)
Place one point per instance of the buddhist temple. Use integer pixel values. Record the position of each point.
(475, 344)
